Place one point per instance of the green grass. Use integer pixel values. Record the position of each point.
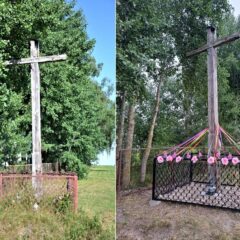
(24, 223)
(97, 195)
(95, 219)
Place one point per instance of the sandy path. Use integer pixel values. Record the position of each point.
(136, 220)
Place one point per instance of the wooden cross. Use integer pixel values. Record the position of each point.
(213, 122)
(34, 60)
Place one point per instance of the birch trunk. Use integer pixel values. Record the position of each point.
(120, 127)
(127, 154)
(150, 135)
(120, 134)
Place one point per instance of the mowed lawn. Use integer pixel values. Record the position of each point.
(97, 195)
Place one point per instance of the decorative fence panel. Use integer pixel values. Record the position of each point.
(187, 182)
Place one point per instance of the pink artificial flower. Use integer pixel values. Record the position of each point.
(194, 159)
(188, 156)
(229, 156)
(224, 161)
(178, 159)
(235, 160)
(211, 160)
(160, 159)
(199, 154)
(218, 155)
(169, 158)
(174, 155)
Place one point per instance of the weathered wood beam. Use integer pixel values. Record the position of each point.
(215, 44)
(43, 59)
(36, 111)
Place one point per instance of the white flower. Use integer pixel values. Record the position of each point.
(35, 206)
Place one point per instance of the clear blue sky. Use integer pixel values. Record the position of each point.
(100, 18)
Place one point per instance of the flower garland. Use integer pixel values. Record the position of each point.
(211, 160)
(183, 151)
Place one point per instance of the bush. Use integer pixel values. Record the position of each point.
(70, 162)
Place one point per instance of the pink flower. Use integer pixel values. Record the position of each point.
(169, 158)
(229, 156)
(194, 159)
(174, 155)
(211, 160)
(160, 159)
(199, 154)
(235, 160)
(218, 155)
(188, 156)
(224, 161)
(178, 159)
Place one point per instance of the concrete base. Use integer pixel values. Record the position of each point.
(153, 203)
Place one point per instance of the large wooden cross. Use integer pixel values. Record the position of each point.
(34, 60)
(213, 122)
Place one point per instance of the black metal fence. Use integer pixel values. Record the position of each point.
(187, 182)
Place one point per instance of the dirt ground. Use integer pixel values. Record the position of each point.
(137, 220)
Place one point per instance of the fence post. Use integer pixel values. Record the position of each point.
(75, 193)
(1, 185)
(191, 172)
(154, 180)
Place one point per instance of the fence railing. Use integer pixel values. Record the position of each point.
(53, 191)
(27, 168)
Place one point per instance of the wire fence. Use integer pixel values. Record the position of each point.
(27, 168)
(44, 191)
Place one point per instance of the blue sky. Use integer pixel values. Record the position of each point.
(100, 18)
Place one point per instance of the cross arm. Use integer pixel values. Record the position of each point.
(52, 58)
(217, 43)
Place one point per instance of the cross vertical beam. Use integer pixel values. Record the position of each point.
(212, 90)
(36, 111)
(212, 105)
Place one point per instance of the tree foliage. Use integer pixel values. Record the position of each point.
(183, 107)
(77, 115)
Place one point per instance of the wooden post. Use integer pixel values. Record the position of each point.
(212, 104)
(75, 193)
(36, 111)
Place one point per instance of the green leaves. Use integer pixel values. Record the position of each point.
(77, 115)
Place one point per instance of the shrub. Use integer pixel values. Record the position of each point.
(70, 162)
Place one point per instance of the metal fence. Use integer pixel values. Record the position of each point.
(52, 191)
(27, 168)
(187, 182)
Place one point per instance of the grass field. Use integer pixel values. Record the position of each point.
(97, 195)
(95, 219)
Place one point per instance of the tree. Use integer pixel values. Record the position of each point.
(77, 115)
